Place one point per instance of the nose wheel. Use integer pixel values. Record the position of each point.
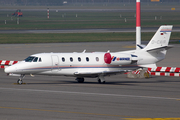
(19, 81)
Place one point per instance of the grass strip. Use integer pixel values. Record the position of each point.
(15, 38)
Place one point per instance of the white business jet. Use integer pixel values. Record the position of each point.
(96, 64)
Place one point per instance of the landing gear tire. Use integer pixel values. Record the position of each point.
(20, 79)
(80, 80)
(19, 82)
(101, 82)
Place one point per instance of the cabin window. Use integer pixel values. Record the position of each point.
(97, 59)
(87, 59)
(71, 59)
(63, 59)
(35, 59)
(79, 59)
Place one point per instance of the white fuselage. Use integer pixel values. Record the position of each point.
(80, 64)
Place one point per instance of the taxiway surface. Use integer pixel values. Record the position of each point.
(45, 97)
(102, 30)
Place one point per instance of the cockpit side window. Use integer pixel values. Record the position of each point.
(40, 60)
(35, 59)
(29, 59)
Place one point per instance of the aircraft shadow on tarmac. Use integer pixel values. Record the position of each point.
(121, 82)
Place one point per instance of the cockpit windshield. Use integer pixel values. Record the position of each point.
(32, 58)
(29, 59)
(35, 59)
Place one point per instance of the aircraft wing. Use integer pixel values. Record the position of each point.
(96, 74)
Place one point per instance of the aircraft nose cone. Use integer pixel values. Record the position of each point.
(10, 69)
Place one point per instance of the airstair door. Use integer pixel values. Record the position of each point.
(55, 63)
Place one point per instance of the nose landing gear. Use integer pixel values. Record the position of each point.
(20, 79)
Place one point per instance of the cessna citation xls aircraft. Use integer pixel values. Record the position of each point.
(96, 64)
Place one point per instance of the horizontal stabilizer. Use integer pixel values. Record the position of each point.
(160, 48)
(157, 49)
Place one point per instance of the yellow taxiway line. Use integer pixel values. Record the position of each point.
(152, 118)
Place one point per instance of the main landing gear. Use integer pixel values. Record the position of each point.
(20, 79)
(80, 80)
(101, 79)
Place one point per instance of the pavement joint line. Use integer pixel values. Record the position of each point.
(85, 93)
(83, 113)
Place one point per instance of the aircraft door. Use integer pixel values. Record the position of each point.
(55, 63)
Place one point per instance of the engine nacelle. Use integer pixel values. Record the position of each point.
(119, 58)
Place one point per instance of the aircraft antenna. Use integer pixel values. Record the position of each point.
(84, 51)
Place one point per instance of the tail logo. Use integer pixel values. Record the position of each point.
(120, 58)
(165, 30)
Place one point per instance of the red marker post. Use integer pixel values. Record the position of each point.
(48, 13)
(138, 23)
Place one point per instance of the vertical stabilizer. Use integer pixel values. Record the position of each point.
(138, 24)
(160, 39)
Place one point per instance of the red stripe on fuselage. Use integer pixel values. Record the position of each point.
(92, 66)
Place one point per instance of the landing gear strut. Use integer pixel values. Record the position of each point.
(20, 79)
(101, 79)
(80, 80)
